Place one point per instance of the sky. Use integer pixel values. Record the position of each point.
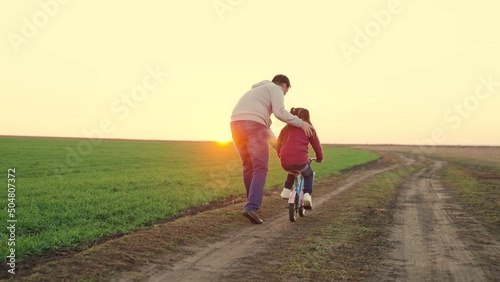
(370, 72)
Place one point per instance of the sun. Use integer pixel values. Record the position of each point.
(223, 142)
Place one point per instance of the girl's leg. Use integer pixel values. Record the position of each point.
(308, 184)
(308, 180)
(290, 178)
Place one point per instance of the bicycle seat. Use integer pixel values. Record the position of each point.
(297, 172)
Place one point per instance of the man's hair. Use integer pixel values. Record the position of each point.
(281, 78)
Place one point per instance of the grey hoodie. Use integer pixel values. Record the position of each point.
(259, 102)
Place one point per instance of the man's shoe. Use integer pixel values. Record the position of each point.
(308, 201)
(253, 216)
(285, 193)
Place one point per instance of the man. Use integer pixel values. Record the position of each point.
(250, 127)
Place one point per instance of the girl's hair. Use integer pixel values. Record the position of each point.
(302, 113)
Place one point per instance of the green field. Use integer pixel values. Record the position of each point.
(69, 191)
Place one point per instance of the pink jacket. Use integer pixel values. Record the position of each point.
(293, 146)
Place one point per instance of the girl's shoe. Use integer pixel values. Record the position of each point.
(308, 201)
(285, 193)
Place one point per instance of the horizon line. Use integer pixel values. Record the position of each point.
(230, 141)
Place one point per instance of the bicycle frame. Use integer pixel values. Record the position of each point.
(298, 189)
(296, 198)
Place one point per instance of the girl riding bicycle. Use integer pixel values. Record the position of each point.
(293, 150)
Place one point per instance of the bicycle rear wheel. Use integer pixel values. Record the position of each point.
(302, 211)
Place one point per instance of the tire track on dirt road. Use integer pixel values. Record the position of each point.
(209, 263)
(429, 244)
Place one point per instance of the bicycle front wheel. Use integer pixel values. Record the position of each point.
(292, 209)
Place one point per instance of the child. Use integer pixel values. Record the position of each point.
(293, 150)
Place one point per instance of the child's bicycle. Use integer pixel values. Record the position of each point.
(296, 198)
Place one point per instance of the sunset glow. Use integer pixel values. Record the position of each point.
(384, 71)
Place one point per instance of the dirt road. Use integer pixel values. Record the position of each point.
(432, 239)
(220, 259)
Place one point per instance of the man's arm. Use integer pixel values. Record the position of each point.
(279, 111)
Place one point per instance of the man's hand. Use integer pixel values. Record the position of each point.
(273, 142)
(271, 138)
(308, 129)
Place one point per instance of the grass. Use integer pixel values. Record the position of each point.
(70, 191)
(477, 189)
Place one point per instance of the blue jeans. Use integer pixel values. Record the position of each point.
(251, 141)
(307, 173)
